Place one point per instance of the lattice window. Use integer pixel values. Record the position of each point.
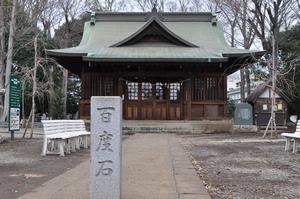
(108, 87)
(146, 91)
(133, 90)
(208, 88)
(175, 91)
(159, 93)
(199, 89)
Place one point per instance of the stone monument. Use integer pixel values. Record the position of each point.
(106, 138)
(243, 118)
(243, 114)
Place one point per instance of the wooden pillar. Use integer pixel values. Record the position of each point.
(226, 113)
(120, 92)
(83, 95)
(120, 88)
(188, 99)
(139, 105)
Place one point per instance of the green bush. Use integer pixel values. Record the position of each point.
(231, 108)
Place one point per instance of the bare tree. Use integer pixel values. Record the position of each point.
(28, 75)
(184, 5)
(263, 24)
(70, 10)
(297, 9)
(34, 85)
(33, 9)
(171, 6)
(107, 5)
(277, 13)
(229, 15)
(234, 19)
(2, 48)
(9, 57)
(247, 35)
(148, 5)
(198, 5)
(50, 17)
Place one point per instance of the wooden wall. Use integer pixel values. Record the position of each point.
(202, 96)
(208, 96)
(262, 115)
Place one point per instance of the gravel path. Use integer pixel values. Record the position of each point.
(245, 166)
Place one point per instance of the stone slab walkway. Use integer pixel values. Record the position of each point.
(155, 166)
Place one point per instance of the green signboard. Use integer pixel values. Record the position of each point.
(14, 104)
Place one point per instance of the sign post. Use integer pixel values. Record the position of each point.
(106, 150)
(14, 106)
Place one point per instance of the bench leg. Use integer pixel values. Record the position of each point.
(77, 143)
(61, 148)
(53, 146)
(67, 147)
(287, 144)
(85, 141)
(295, 150)
(45, 143)
(73, 144)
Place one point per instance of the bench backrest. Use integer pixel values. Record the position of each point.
(298, 126)
(74, 125)
(61, 126)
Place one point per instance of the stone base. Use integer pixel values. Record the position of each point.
(172, 126)
(245, 128)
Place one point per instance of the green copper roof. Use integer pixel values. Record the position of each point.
(204, 39)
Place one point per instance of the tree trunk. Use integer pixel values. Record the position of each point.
(34, 86)
(65, 91)
(9, 59)
(2, 53)
(27, 124)
(242, 86)
(51, 91)
(248, 81)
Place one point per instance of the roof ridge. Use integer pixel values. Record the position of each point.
(169, 34)
(165, 16)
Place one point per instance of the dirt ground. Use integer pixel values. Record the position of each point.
(22, 168)
(245, 166)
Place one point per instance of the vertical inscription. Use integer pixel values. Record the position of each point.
(106, 117)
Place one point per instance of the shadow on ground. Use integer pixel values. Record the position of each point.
(22, 168)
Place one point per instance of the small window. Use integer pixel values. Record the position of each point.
(108, 87)
(175, 89)
(161, 91)
(146, 91)
(265, 107)
(279, 107)
(133, 90)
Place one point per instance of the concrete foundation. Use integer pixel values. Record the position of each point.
(172, 126)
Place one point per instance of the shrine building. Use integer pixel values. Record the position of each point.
(165, 66)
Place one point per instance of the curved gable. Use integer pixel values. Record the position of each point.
(154, 31)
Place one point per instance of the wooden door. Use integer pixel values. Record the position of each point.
(153, 101)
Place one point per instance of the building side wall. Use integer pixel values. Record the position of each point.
(262, 111)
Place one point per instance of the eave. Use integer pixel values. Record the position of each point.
(187, 60)
(58, 53)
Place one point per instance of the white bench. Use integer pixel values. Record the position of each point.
(64, 136)
(292, 137)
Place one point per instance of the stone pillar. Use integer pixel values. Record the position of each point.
(106, 138)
